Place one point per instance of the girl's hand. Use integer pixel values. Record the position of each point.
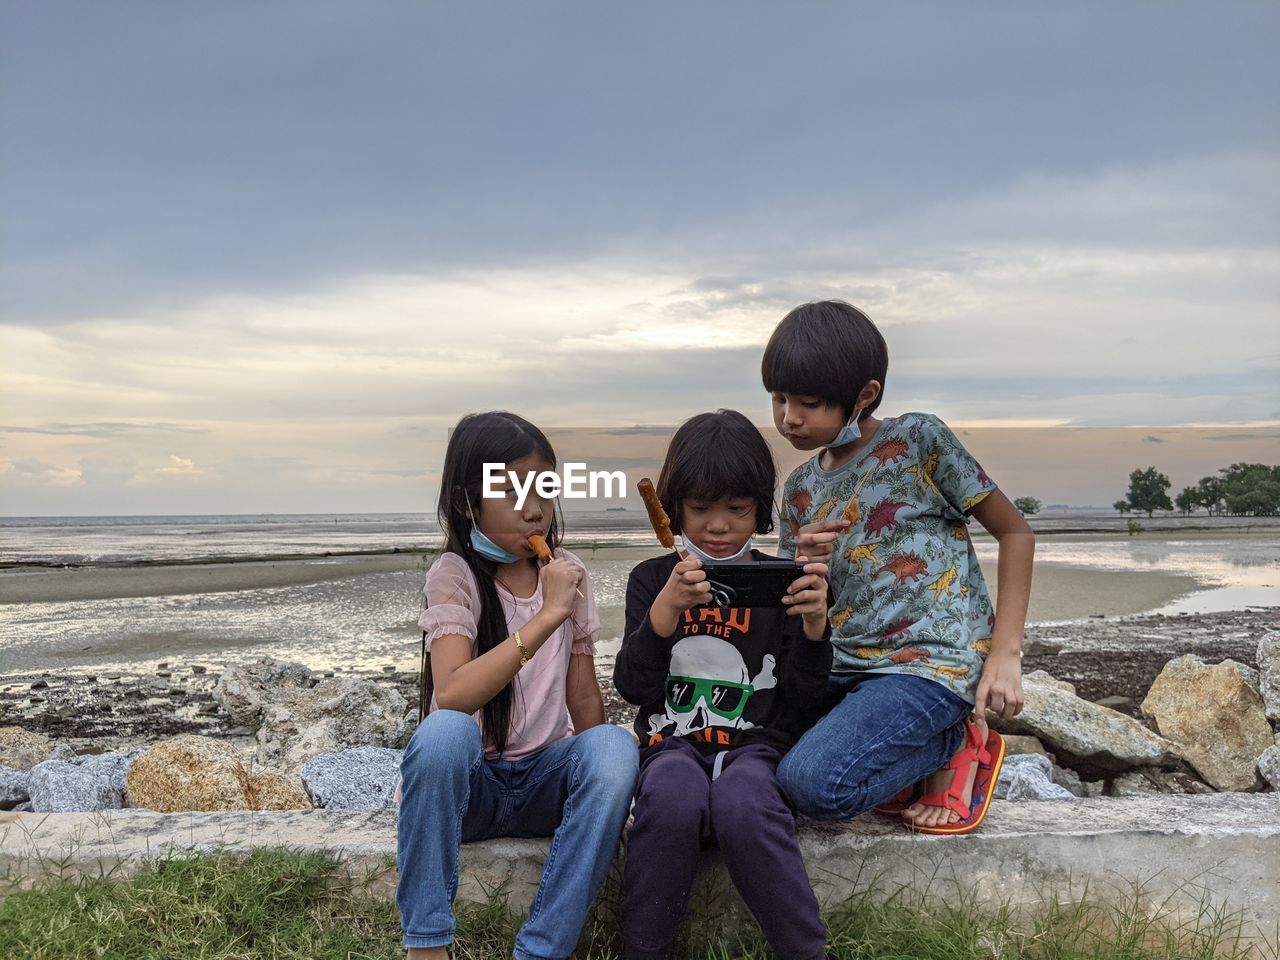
(560, 578)
(686, 587)
(807, 596)
(817, 541)
(1000, 689)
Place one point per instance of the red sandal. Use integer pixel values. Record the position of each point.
(989, 757)
(901, 800)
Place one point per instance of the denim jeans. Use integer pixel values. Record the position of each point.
(886, 732)
(577, 790)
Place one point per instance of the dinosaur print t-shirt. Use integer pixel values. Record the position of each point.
(907, 592)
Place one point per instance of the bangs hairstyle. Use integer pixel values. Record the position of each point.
(715, 455)
(829, 349)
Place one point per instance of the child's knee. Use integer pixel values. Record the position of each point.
(445, 738)
(607, 759)
(814, 791)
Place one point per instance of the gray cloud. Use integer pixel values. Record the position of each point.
(176, 151)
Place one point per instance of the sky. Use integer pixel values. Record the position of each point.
(259, 257)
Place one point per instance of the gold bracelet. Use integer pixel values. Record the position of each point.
(524, 654)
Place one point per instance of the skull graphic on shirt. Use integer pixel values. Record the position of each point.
(708, 685)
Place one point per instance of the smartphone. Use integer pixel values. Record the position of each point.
(751, 583)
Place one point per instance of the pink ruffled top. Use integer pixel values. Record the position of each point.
(539, 713)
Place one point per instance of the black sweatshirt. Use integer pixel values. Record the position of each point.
(726, 677)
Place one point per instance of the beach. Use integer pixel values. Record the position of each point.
(127, 647)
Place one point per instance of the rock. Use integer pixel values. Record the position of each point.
(1068, 779)
(40, 685)
(1027, 777)
(80, 784)
(1133, 785)
(244, 689)
(1087, 737)
(1269, 766)
(13, 787)
(335, 715)
(200, 773)
(1269, 674)
(198, 670)
(1015, 745)
(1035, 647)
(1215, 717)
(22, 749)
(1115, 703)
(363, 778)
(62, 751)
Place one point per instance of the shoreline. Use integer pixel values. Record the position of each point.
(107, 710)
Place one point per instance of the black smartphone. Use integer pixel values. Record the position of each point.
(751, 583)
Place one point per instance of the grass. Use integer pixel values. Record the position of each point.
(280, 905)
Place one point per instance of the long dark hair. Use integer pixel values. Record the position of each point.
(480, 438)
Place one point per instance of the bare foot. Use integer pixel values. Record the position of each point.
(925, 815)
(427, 953)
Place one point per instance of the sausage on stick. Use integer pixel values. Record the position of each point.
(539, 546)
(657, 516)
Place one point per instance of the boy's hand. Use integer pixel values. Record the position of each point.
(817, 541)
(807, 596)
(1000, 689)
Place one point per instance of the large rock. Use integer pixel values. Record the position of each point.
(1269, 766)
(199, 773)
(297, 718)
(245, 689)
(22, 749)
(1083, 735)
(1269, 674)
(1028, 776)
(1215, 716)
(363, 778)
(337, 714)
(13, 787)
(79, 784)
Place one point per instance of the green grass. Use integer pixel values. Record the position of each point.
(280, 905)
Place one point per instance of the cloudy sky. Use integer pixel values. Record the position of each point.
(258, 257)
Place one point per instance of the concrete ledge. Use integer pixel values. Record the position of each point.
(1182, 848)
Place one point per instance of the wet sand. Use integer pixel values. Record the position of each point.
(1059, 592)
(64, 584)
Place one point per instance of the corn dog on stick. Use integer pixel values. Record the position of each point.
(539, 546)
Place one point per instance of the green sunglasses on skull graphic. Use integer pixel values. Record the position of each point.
(708, 685)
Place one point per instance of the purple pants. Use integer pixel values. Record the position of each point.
(686, 802)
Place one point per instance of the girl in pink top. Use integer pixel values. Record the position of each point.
(515, 743)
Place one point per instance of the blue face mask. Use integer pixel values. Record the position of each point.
(482, 545)
(850, 432)
(488, 549)
(708, 558)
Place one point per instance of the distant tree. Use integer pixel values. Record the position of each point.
(1210, 495)
(1149, 491)
(1187, 500)
(1134, 527)
(1121, 506)
(1028, 506)
(1251, 488)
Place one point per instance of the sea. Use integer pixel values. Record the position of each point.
(368, 620)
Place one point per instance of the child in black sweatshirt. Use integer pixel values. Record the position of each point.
(723, 693)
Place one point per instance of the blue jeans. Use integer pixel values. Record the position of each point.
(888, 731)
(577, 791)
